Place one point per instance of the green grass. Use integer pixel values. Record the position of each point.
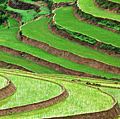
(3, 82)
(30, 90)
(74, 104)
(88, 6)
(42, 33)
(114, 92)
(12, 22)
(63, 16)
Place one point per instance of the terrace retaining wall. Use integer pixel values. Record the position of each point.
(11, 66)
(110, 6)
(8, 90)
(110, 113)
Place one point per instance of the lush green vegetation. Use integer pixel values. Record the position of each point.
(44, 55)
(29, 65)
(3, 82)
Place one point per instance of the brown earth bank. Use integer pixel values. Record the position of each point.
(108, 5)
(39, 105)
(16, 4)
(108, 114)
(76, 8)
(6, 65)
(70, 56)
(64, 34)
(8, 90)
(98, 44)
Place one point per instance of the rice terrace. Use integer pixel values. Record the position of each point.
(59, 59)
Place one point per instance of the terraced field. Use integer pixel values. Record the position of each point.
(96, 11)
(59, 59)
(69, 104)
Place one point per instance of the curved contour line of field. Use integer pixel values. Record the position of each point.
(35, 96)
(88, 6)
(63, 15)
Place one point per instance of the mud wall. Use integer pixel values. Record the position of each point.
(8, 90)
(6, 65)
(108, 5)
